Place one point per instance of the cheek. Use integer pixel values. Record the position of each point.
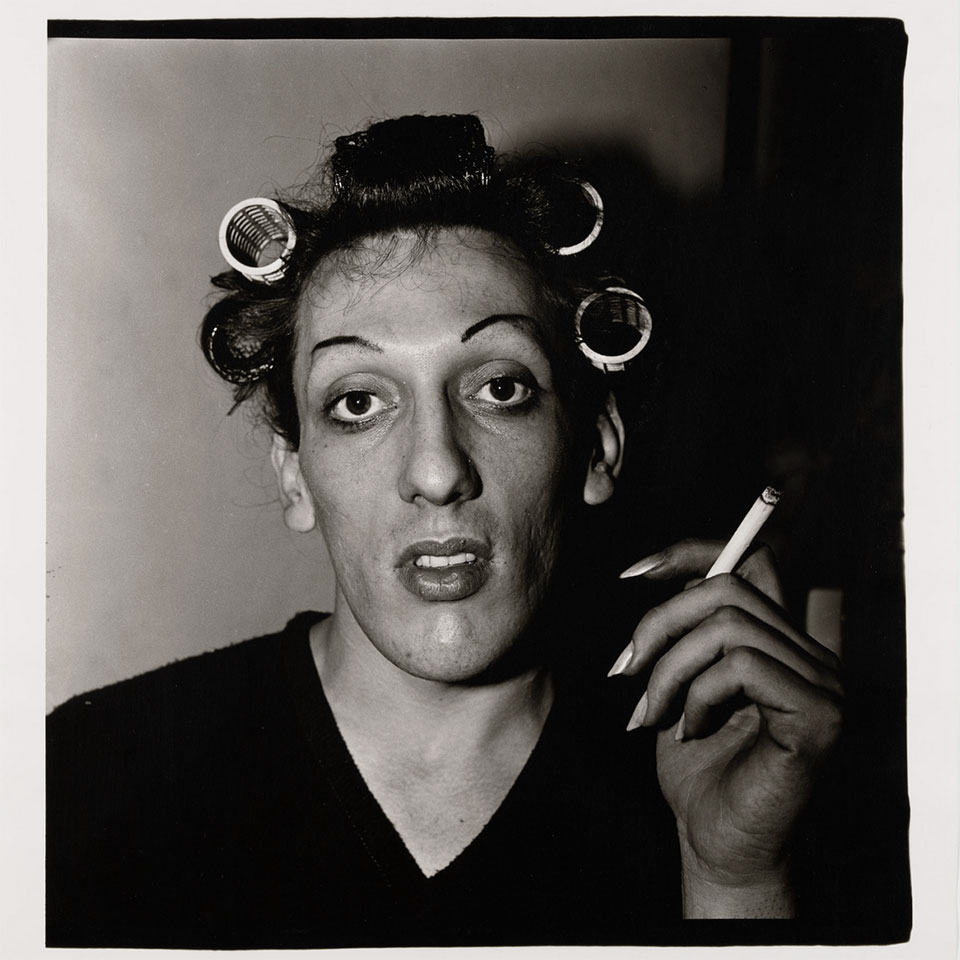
(346, 503)
(535, 484)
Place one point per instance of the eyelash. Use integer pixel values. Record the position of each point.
(360, 421)
(528, 391)
(344, 421)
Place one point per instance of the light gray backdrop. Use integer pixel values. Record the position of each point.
(164, 534)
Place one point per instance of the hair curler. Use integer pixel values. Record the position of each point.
(256, 239)
(596, 202)
(611, 327)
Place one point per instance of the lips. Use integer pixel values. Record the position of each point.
(444, 570)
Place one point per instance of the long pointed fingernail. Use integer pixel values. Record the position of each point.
(622, 661)
(641, 711)
(681, 727)
(643, 566)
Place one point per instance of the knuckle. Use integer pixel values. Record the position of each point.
(728, 616)
(697, 693)
(657, 683)
(828, 723)
(725, 582)
(742, 659)
(818, 732)
(696, 687)
(649, 623)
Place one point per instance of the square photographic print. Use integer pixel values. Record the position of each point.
(475, 483)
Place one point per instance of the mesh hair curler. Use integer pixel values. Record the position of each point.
(256, 238)
(611, 327)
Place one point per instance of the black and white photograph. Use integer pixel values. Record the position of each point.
(475, 476)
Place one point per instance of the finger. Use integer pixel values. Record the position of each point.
(669, 621)
(692, 559)
(722, 632)
(800, 717)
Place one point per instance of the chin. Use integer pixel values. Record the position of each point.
(449, 648)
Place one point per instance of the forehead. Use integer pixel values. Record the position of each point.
(408, 288)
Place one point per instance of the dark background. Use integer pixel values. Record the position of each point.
(781, 307)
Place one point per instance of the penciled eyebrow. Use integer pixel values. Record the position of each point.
(528, 324)
(346, 339)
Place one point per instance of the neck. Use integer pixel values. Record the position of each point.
(380, 707)
(438, 757)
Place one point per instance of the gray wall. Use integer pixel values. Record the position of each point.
(164, 535)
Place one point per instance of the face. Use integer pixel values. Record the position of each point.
(435, 454)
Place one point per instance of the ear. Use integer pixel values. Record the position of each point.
(607, 455)
(298, 511)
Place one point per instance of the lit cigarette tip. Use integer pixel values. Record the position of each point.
(771, 495)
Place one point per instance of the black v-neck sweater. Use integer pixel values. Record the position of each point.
(213, 803)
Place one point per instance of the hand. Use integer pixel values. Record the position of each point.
(747, 706)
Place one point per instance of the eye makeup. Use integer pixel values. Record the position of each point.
(356, 401)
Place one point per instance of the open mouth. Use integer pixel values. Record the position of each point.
(444, 570)
(428, 560)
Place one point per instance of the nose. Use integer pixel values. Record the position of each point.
(436, 467)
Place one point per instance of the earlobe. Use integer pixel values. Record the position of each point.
(298, 510)
(607, 456)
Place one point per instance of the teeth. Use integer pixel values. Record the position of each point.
(426, 560)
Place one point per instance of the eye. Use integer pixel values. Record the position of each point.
(356, 406)
(504, 392)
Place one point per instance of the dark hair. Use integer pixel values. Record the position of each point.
(412, 173)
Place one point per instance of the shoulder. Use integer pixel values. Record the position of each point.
(180, 702)
(145, 779)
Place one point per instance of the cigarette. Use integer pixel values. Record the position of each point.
(743, 536)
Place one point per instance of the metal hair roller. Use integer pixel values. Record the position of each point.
(256, 238)
(595, 201)
(611, 327)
